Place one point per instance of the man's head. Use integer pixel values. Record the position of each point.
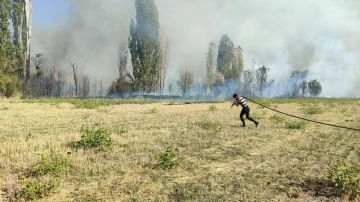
(235, 96)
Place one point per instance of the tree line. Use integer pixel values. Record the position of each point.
(148, 48)
(149, 52)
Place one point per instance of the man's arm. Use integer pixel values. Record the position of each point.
(235, 103)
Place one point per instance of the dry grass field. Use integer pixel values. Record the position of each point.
(213, 158)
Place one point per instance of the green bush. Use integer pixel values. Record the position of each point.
(172, 102)
(50, 164)
(96, 136)
(169, 159)
(212, 108)
(9, 85)
(256, 116)
(296, 125)
(89, 103)
(314, 110)
(4, 108)
(153, 110)
(315, 88)
(277, 119)
(35, 188)
(346, 178)
(208, 125)
(265, 102)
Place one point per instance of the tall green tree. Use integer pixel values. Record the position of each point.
(144, 45)
(17, 17)
(5, 37)
(211, 64)
(8, 80)
(238, 63)
(225, 57)
(262, 79)
(315, 88)
(18, 21)
(185, 82)
(26, 35)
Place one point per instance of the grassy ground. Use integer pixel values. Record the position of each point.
(281, 160)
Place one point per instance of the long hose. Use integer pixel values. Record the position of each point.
(327, 124)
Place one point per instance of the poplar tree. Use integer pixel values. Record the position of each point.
(144, 45)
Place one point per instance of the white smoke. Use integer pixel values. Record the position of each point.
(322, 36)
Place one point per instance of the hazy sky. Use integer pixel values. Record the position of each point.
(48, 12)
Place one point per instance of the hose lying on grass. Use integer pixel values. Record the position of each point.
(327, 124)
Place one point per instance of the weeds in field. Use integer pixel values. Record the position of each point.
(96, 136)
(234, 152)
(346, 178)
(182, 192)
(169, 159)
(90, 103)
(43, 178)
(86, 116)
(212, 108)
(202, 190)
(208, 125)
(103, 110)
(296, 125)
(36, 188)
(3, 108)
(265, 102)
(277, 119)
(50, 164)
(314, 110)
(153, 110)
(119, 130)
(256, 116)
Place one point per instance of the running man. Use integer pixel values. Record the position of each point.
(245, 109)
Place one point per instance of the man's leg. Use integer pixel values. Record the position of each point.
(251, 119)
(242, 113)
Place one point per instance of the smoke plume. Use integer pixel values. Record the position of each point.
(320, 36)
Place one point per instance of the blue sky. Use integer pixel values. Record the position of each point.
(46, 12)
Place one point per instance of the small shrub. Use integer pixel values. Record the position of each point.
(346, 178)
(277, 119)
(182, 192)
(208, 125)
(3, 108)
(103, 110)
(96, 136)
(89, 103)
(266, 103)
(212, 108)
(169, 159)
(9, 85)
(50, 164)
(35, 188)
(296, 125)
(314, 110)
(256, 116)
(153, 111)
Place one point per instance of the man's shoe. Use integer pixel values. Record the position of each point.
(243, 126)
(256, 124)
